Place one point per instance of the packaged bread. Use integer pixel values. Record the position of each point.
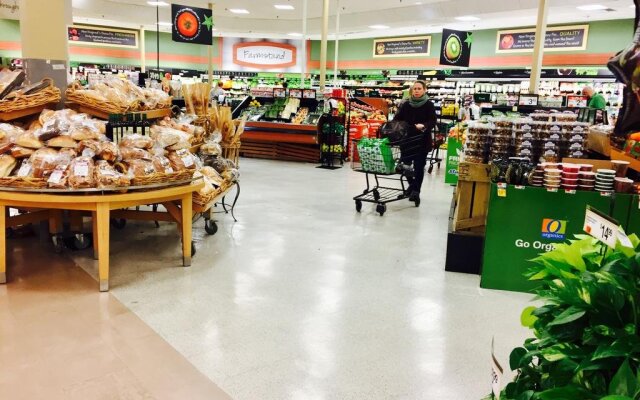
(107, 176)
(9, 133)
(166, 136)
(82, 132)
(59, 176)
(7, 164)
(132, 153)
(68, 153)
(213, 175)
(88, 148)
(29, 140)
(179, 146)
(108, 151)
(208, 188)
(162, 164)
(62, 141)
(5, 147)
(137, 141)
(21, 152)
(43, 162)
(140, 168)
(81, 174)
(182, 160)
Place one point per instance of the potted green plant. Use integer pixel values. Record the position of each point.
(586, 343)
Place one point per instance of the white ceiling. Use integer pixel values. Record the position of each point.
(404, 17)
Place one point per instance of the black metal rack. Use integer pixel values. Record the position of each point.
(329, 139)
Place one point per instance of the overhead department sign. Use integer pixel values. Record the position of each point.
(264, 55)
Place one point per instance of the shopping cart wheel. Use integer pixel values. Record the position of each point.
(358, 205)
(376, 195)
(193, 248)
(58, 243)
(118, 223)
(210, 227)
(381, 208)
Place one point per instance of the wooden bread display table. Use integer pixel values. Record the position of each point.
(48, 205)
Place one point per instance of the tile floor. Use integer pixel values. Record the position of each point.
(303, 298)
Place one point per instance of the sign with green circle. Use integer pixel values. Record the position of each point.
(456, 48)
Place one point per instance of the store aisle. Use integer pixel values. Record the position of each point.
(304, 298)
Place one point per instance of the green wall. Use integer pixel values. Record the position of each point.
(604, 37)
(172, 54)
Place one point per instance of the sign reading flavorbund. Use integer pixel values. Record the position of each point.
(559, 38)
(416, 46)
(264, 54)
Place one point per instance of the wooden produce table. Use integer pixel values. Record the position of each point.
(100, 206)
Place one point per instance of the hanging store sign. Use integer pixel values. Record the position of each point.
(191, 24)
(455, 49)
(98, 36)
(559, 38)
(416, 46)
(265, 55)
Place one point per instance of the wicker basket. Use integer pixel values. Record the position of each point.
(203, 201)
(24, 183)
(50, 94)
(76, 94)
(160, 177)
(231, 152)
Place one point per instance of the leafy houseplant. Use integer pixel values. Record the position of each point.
(586, 343)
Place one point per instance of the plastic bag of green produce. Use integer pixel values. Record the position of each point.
(376, 155)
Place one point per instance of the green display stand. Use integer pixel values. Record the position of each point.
(454, 149)
(529, 220)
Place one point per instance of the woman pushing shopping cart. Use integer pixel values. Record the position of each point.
(401, 149)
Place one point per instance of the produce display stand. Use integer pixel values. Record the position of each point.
(47, 205)
(467, 219)
(12, 115)
(95, 112)
(280, 141)
(528, 220)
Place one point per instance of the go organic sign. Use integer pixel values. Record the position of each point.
(264, 55)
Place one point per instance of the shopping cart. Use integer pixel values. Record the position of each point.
(384, 161)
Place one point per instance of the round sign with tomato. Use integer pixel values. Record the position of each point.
(187, 24)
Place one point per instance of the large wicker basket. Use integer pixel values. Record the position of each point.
(50, 94)
(23, 183)
(231, 152)
(203, 201)
(76, 94)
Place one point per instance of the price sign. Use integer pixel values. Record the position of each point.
(528, 100)
(601, 227)
(502, 190)
(295, 93)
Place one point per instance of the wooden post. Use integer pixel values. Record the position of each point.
(538, 51)
(323, 45)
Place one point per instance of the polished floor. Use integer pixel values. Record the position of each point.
(304, 298)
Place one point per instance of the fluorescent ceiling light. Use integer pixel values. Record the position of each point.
(296, 34)
(157, 3)
(378, 27)
(418, 3)
(284, 7)
(592, 7)
(239, 11)
(468, 18)
(165, 23)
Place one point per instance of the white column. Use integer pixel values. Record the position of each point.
(323, 44)
(337, 42)
(143, 51)
(538, 52)
(210, 55)
(304, 43)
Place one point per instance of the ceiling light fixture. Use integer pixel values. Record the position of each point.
(284, 7)
(592, 7)
(158, 3)
(296, 34)
(378, 27)
(239, 11)
(165, 23)
(467, 18)
(418, 3)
